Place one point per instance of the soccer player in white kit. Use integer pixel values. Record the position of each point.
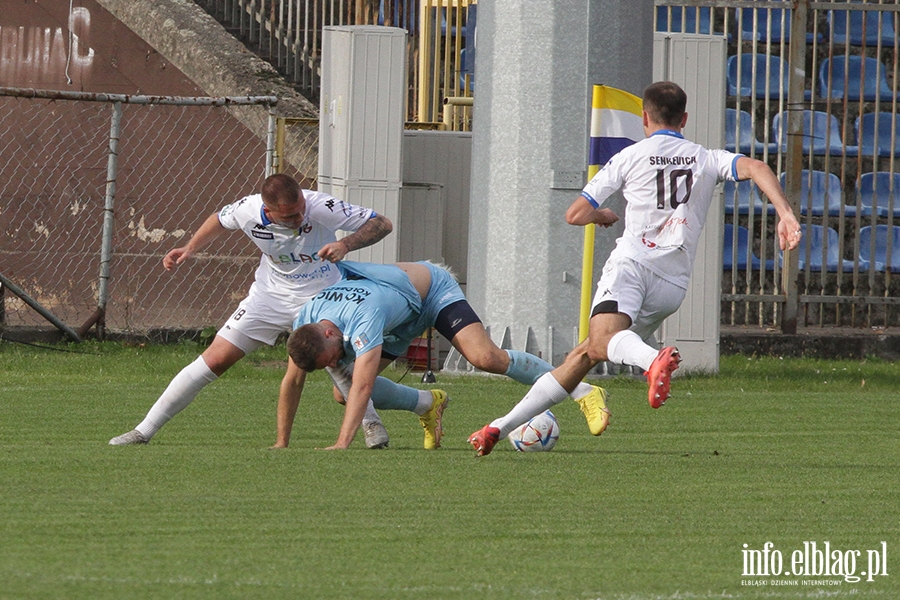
(295, 231)
(668, 184)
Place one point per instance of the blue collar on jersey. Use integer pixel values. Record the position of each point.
(667, 132)
(262, 216)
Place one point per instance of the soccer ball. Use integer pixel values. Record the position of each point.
(537, 435)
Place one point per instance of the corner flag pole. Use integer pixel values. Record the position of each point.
(616, 122)
(587, 256)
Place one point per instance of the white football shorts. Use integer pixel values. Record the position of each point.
(630, 288)
(259, 319)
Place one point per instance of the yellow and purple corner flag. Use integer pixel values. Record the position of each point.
(616, 122)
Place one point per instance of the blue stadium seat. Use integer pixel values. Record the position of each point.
(877, 140)
(747, 142)
(821, 134)
(740, 196)
(742, 252)
(684, 20)
(883, 235)
(770, 70)
(875, 193)
(467, 53)
(820, 192)
(820, 239)
(466, 63)
(847, 26)
(869, 71)
(769, 25)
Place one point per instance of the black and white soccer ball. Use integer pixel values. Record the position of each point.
(537, 435)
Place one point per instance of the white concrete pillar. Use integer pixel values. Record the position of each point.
(534, 68)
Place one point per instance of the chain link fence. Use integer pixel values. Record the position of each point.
(144, 172)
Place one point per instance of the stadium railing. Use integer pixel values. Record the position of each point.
(818, 133)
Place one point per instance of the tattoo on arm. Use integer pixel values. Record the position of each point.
(373, 231)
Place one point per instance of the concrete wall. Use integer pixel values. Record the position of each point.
(219, 64)
(106, 56)
(534, 72)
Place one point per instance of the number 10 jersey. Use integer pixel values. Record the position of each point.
(668, 184)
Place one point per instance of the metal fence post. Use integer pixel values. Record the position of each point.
(794, 158)
(271, 156)
(108, 216)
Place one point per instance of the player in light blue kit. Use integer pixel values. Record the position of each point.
(370, 318)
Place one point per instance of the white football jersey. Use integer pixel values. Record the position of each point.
(290, 266)
(668, 185)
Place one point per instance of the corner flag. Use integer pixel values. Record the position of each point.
(616, 122)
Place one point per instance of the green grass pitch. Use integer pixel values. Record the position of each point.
(660, 507)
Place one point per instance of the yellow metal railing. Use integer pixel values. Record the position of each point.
(440, 51)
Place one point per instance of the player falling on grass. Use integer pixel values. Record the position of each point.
(668, 184)
(370, 318)
(295, 231)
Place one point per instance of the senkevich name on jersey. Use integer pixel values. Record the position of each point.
(672, 160)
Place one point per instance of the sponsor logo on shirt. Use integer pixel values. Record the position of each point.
(344, 294)
(345, 208)
(295, 258)
(672, 223)
(315, 274)
(262, 235)
(360, 342)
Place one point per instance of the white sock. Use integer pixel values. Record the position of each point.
(545, 393)
(371, 416)
(181, 391)
(627, 348)
(581, 390)
(342, 380)
(426, 399)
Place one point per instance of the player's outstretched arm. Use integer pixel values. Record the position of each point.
(374, 230)
(788, 227)
(208, 231)
(581, 212)
(365, 370)
(288, 401)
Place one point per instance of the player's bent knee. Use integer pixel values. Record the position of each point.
(492, 362)
(337, 395)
